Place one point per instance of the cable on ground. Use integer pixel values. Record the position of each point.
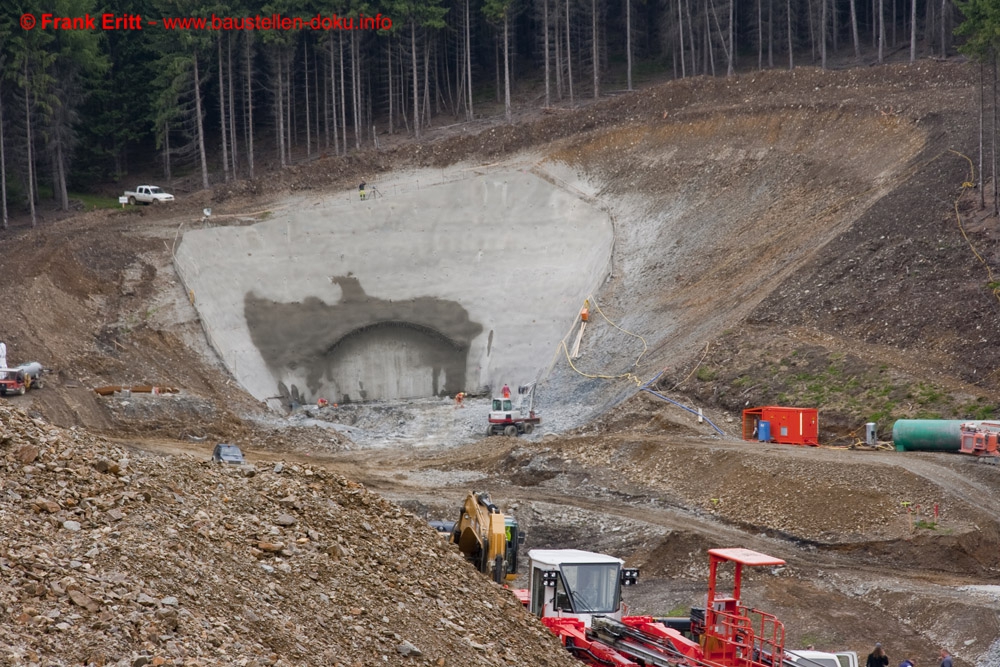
(628, 375)
(646, 387)
(967, 185)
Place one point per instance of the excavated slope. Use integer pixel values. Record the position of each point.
(115, 557)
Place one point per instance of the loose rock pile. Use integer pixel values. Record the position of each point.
(115, 557)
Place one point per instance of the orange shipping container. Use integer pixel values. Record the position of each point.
(789, 426)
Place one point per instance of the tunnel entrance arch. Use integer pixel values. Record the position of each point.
(393, 359)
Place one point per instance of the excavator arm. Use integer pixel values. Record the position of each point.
(481, 535)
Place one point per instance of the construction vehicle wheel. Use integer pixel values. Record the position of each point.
(528, 428)
(499, 574)
(510, 431)
(22, 390)
(489, 430)
(37, 384)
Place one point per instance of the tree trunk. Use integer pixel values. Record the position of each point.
(628, 42)
(3, 171)
(60, 165)
(222, 115)
(691, 42)
(426, 111)
(356, 89)
(506, 67)
(944, 28)
(290, 125)
(812, 30)
(438, 95)
(469, 115)
(894, 21)
(545, 30)
(875, 24)
(680, 31)
(249, 111)
(822, 35)
(596, 46)
(854, 29)
(460, 96)
(402, 90)
(760, 35)
(280, 110)
(732, 39)
(993, 142)
(232, 106)
(333, 99)
(834, 27)
(788, 11)
(881, 31)
(166, 153)
(392, 125)
(326, 103)
(30, 140)
(200, 124)
(343, 97)
(913, 30)
(929, 26)
(982, 127)
(305, 64)
(416, 79)
(316, 95)
(770, 33)
(569, 57)
(557, 38)
(709, 51)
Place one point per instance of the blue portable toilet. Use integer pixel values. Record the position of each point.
(764, 431)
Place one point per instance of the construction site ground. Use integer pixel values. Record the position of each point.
(901, 548)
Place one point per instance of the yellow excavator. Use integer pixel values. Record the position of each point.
(487, 538)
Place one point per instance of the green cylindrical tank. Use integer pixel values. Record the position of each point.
(928, 435)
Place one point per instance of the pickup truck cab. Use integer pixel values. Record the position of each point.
(147, 194)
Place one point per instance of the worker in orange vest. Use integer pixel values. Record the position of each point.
(459, 397)
(505, 391)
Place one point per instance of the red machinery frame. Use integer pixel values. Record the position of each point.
(980, 438)
(730, 635)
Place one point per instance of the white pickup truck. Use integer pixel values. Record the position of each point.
(810, 658)
(147, 194)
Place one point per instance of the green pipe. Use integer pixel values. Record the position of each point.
(928, 435)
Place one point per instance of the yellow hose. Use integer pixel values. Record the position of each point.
(993, 285)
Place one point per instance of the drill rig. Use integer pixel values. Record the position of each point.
(577, 595)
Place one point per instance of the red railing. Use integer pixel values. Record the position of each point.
(731, 640)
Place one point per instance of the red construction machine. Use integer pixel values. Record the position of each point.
(981, 439)
(577, 595)
(20, 379)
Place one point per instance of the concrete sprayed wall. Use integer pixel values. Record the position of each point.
(458, 286)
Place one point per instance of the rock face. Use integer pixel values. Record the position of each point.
(144, 560)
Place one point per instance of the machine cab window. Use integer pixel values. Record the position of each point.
(593, 587)
(587, 588)
(502, 404)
